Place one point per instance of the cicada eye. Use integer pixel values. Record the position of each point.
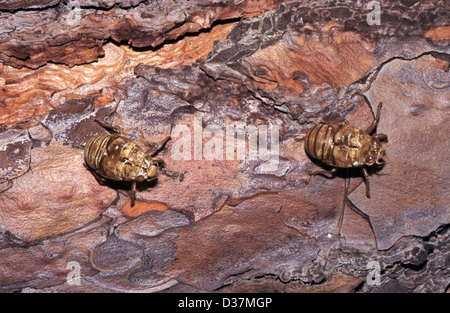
(152, 171)
(370, 160)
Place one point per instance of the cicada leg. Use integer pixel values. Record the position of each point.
(169, 173)
(362, 214)
(352, 206)
(109, 127)
(341, 215)
(366, 178)
(133, 193)
(157, 161)
(375, 122)
(172, 174)
(160, 144)
(380, 137)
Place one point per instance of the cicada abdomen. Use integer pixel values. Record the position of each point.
(116, 157)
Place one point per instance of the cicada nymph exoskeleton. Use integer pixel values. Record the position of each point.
(340, 145)
(116, 157)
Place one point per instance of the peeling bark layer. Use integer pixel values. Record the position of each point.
(73, 34)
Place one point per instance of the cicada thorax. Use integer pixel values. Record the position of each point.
(116, 157)
(337, 144)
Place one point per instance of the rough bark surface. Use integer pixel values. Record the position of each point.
(228, 224)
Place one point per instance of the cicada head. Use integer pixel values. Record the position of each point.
(375, 153)
(150, 169)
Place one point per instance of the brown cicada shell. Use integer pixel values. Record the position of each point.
(116, 157)
(340, 145)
